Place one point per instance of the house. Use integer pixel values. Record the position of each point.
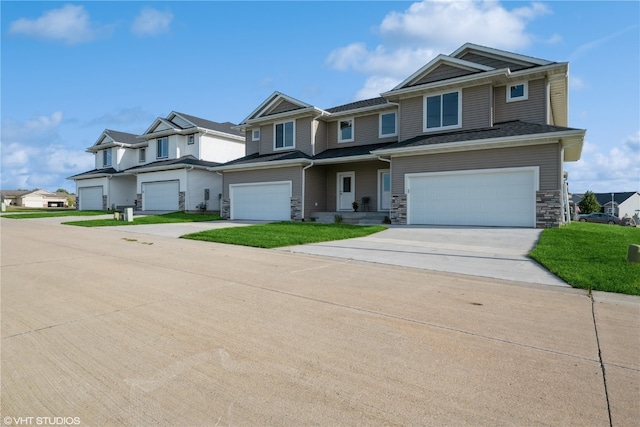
(620, 204)
(34, 199)
(477, 137)
(164, 169)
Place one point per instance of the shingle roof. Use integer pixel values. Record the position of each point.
(226, 127)
(14, 193)
(356, 150)
(185, 160)
(107, 171)
(272, 157)
(358, 104)
(604, 198)
(499, 130)
(127, 138)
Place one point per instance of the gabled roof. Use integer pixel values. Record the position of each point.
(173, 164)
(110, 138)
(350, 152)
(365, 105)
(276, 106)
(183, 124)
(256, 158)
(489, 51)
(225, 127)
(96, 173)
(618, 198)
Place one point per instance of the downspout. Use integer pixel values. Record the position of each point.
(109, 190)
(220, 196)
(303, 186)
(187, 196)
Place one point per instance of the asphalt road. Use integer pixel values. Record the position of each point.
(106, 327)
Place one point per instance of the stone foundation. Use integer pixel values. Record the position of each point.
(225, 208)
(181, 201)
(548, 209)
(398, 213)
(296, 209)
(104, 202)
(138, 201)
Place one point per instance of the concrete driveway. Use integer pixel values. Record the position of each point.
(499, 253)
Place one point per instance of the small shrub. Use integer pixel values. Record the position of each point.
(337, 219)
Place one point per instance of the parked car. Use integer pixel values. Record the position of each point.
(600, 217)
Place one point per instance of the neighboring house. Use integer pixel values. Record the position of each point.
(164, 169)
(625, 203)
(34, 199)
(477, 137)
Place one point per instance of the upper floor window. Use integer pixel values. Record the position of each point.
(255, 135)
(388, 125)
(162, 148)
(106, 157)
(443, 111)
(143, 155)
(345, 130)
(517, 92)
(284, 135)
(191, 139)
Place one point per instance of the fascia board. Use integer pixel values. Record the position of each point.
(280, 116)
(440, 59)
(163, 168)
(260, 165)
(358, 111)
(219, 134)
(347, 159)
(173, 113)
(155, 123)
(271, 100)
(500, 54)
(503, 142)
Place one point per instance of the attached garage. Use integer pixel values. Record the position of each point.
(269, 201)
(161, 196)
(90, 198)
(492, 197)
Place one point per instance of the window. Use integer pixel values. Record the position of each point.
(345, 130)
(443, 111)
(143, 155)
(106, 157)
(191, 139)
(517, 92)
(255, 135)
(388, 124)
(162, 148)
(284, 135)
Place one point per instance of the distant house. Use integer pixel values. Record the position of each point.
(34, 199)
(618, 204)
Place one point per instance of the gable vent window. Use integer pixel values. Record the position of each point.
(517, 92)
(191, 139)
(443, 111)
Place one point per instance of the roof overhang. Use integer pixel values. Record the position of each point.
(570, 140)
(359, 111)
(287, 115)
(261, 165)
(159, 168)
(346, 159)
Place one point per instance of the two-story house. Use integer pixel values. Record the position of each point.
(477, 137)
(164, 169)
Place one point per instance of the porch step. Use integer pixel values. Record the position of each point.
(359, 218)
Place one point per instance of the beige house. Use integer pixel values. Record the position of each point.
(34, 199)
(478, 137)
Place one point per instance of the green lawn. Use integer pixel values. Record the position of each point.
(149, 219)
(274, 235)
(591, 256)
(52, 213)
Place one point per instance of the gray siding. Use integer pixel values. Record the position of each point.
(316, 190)
(443, 72)
(282, 107)
(534, 109)
(321, 136)
(366, 130)
(411, 119)
(293, 173)
(366, 184)
(303, 137)
(546, 156)
(493, 62)
(251, 146)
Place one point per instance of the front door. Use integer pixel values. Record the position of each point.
(346, 190)
(384, 186)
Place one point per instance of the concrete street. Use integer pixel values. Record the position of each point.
(130, 328)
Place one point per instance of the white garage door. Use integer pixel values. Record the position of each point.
(496, 197)
(90, 198)
(160, 196)
(270, 201)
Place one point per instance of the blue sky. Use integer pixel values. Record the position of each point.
(70, 70)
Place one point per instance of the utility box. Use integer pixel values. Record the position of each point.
(633, 254)
(206, 194)
(128, 214)
(4, 207)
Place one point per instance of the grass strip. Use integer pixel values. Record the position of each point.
(53, 214)
(279, 234)
(591, 256)
(167, 218)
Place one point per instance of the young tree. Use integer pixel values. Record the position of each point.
(589, 203)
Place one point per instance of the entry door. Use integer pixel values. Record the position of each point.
(384, 185)
(346, 190)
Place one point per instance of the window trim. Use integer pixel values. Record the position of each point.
(106, 155)
(253, 134)
(293, 130)
(191, 139)
(525, 92)
(142, 155)
(441, 128)
(158, 141)
(353, 130)
(395, 124)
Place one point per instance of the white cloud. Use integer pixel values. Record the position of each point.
(615, 170)
(70, 24)
(415, 36)
(151, 22)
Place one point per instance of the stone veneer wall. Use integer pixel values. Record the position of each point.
(181, 201)
(548, 209)
(138, 201)
(225, 208)
(398, 209)
(296, 209)
(104, 202)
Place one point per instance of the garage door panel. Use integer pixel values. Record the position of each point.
(261, 201)
(161, 196)
(482, 198)
(90, 198)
